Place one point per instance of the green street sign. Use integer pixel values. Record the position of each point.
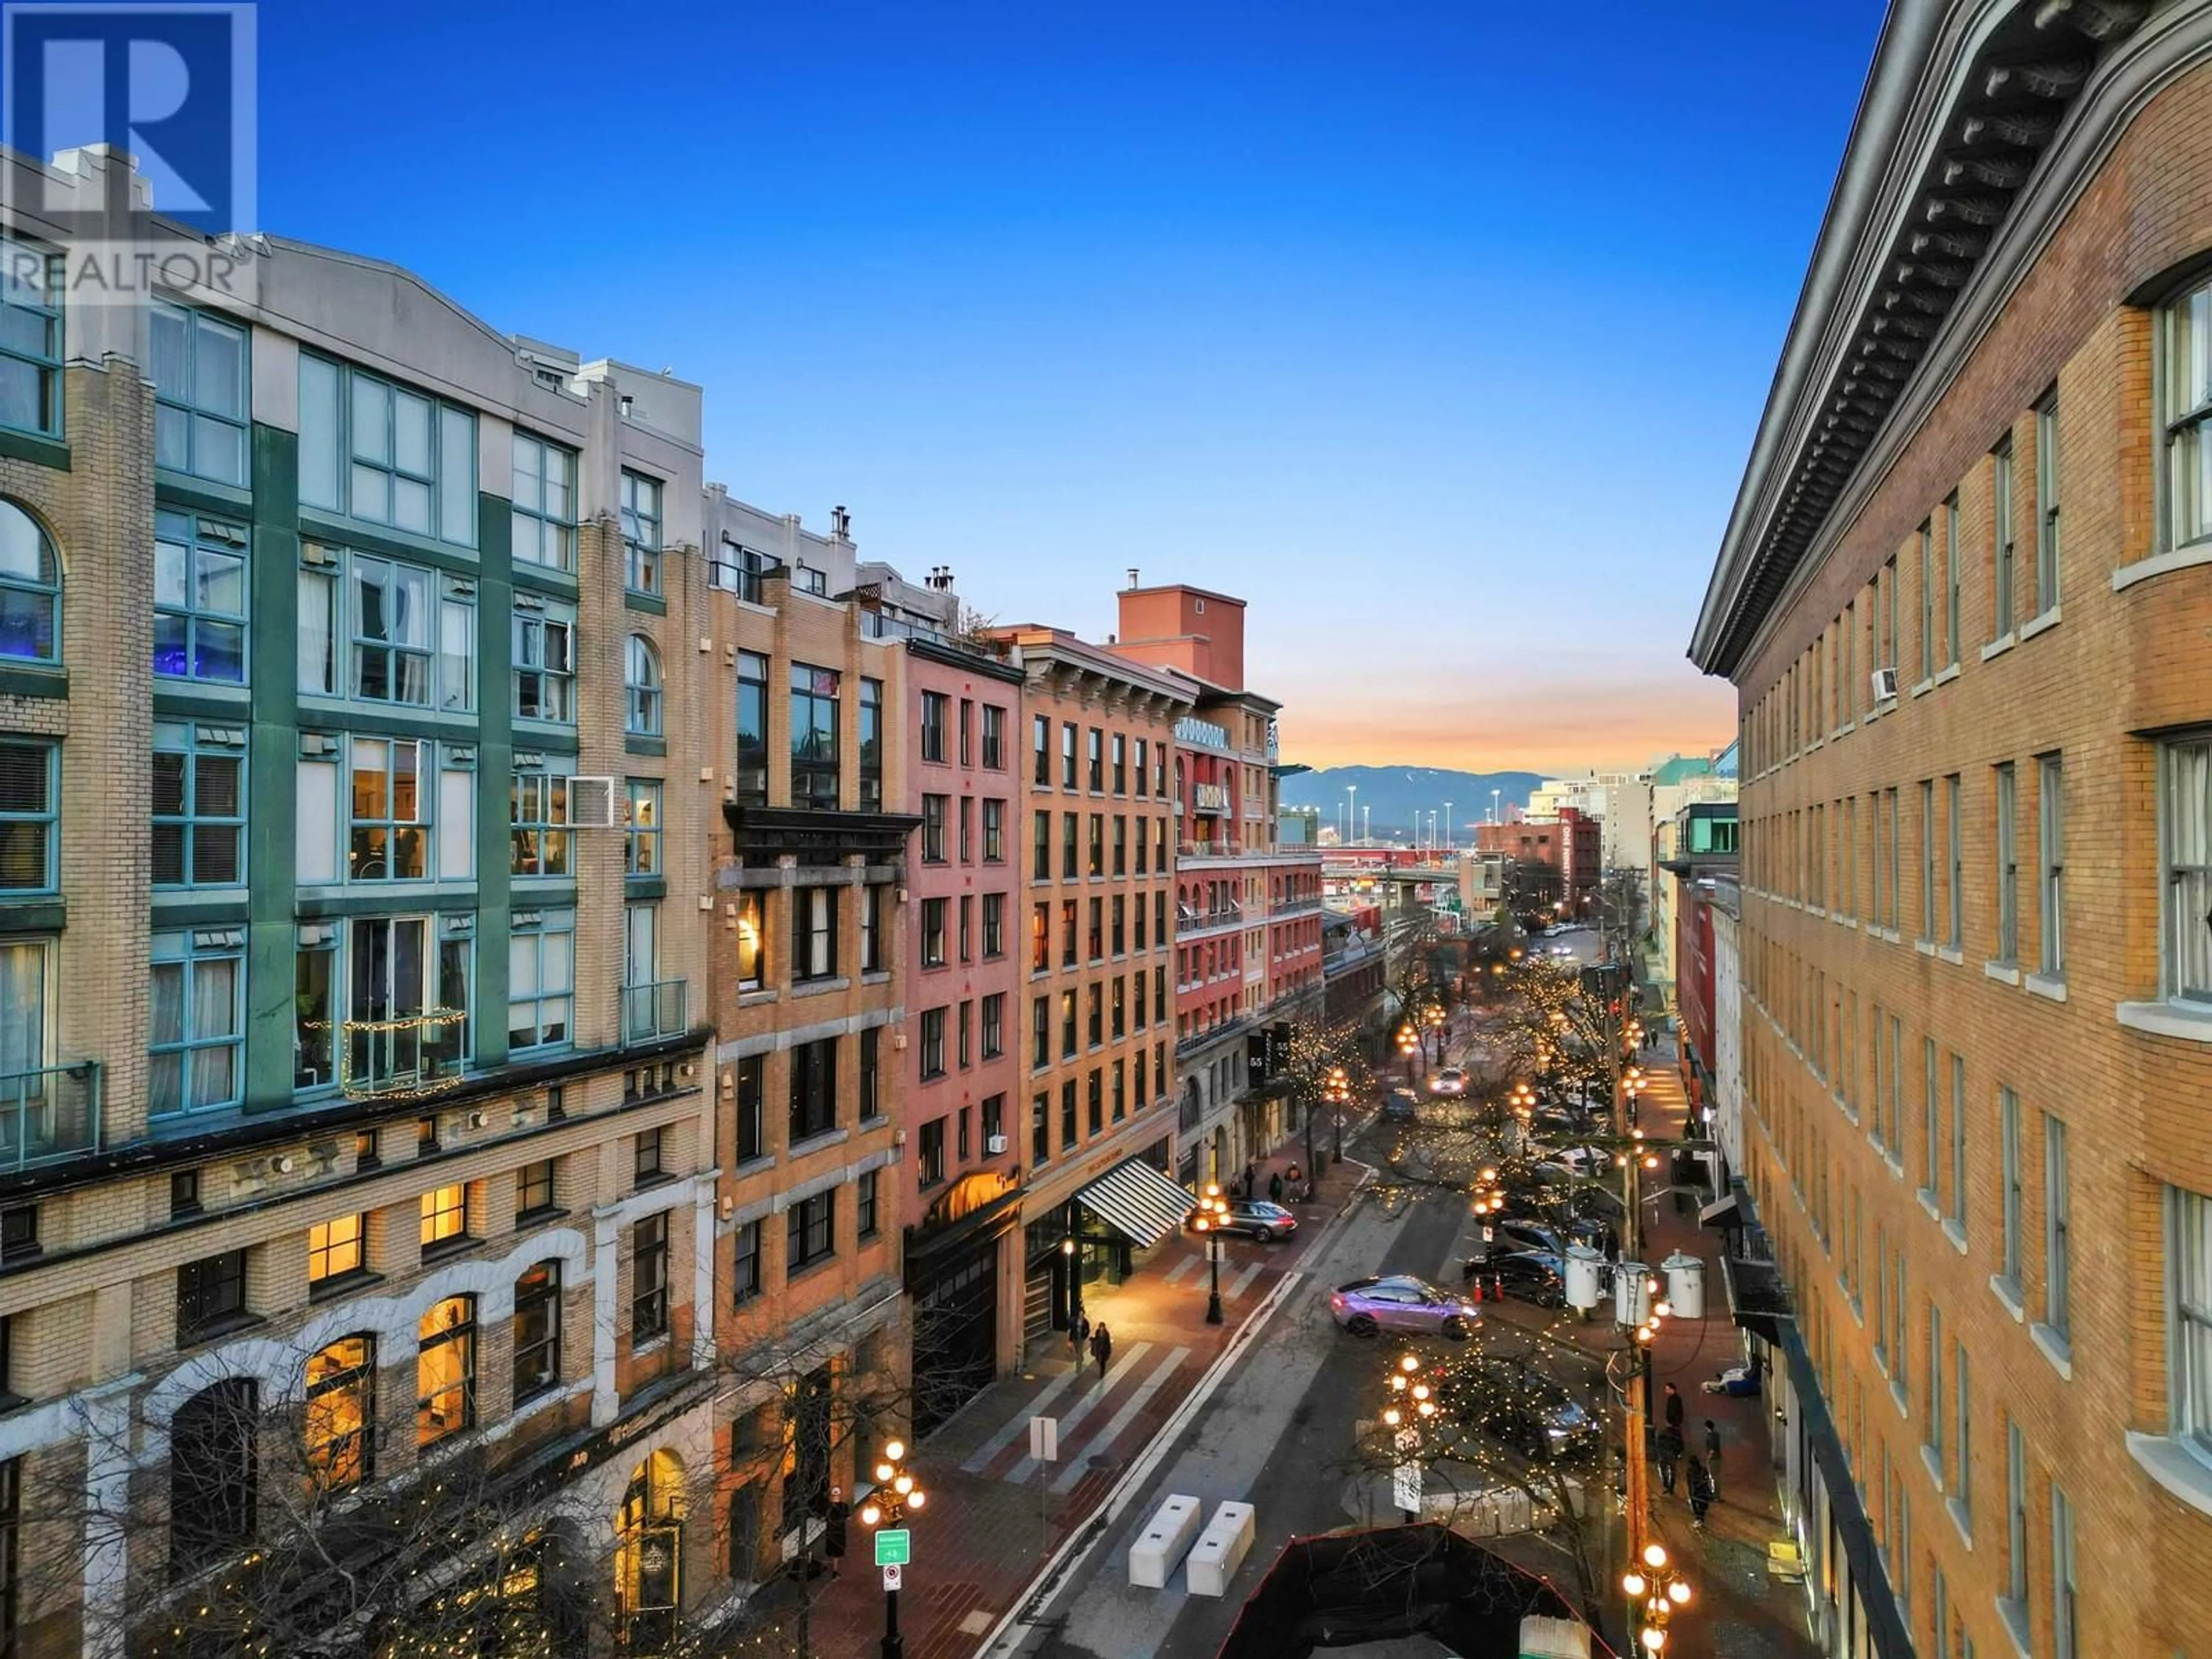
(894, 1547)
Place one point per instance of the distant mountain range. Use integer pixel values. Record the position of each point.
(1389, 796)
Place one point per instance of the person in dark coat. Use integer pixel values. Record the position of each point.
(1078, 1332)
(1701, 1492)
(1102, 1347)
(1667, 1452)
(1674, 1411)
(1275, 1186)
(834, 1528)
(1713, 1456)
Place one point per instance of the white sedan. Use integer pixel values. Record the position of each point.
(1450, 1081)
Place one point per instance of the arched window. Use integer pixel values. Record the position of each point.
(214, 1474)
(340, 1429)
(642, 679)
(649, 1552)
(537, 1330)
(30, 589)
(446, 1370)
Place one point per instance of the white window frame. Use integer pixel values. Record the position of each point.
(545, 636)
(2008, 863)
(2189, 1318)
(2050, 839)
(2046, 503)
(542, 528)
(2185, 407)
(2006, 598)
(643, 499)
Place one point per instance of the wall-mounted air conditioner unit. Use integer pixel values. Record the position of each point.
(1885, 685)
(593, 805)
(995, 1145)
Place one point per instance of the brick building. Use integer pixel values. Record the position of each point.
(965, 722)
(1248, 909)
(349, 931)
(1964, 596)
(1568, 847)
(1097, 829)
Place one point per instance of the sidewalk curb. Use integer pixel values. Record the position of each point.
(1015, 1626)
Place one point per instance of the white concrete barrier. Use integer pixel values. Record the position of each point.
(1220, 1549)
(1159, 1549)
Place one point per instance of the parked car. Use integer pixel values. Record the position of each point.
(1519, 1405)
(1255, 1218)
(1514, 1232)
(1400, 1302)
(1400, 1105)
(1536, 1276)
(1586, 1163)
(1450, 1081)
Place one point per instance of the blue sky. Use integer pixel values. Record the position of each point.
(1438, 331)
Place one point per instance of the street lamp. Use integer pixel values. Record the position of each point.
(1436, 1017)
(1408, 1044)
(1655, 1581)
(1067, 1250)
(897, 1494)
(1336, 1090)
(1406, 1411)
(1212, 1211)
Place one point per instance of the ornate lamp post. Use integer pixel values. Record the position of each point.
(1409, 1044)
(897, 1495)
(1407, 1411)
(1437, 1017)
(1336, 1090)
(1656, 1582)
(1212, 1210)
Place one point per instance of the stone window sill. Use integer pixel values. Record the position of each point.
(2015, 1615)
(2047, 986)
(1948, 674)
(2038, 624)
(2053, 1348)
(1960, 1519)
(2008, 1293)
(1932, 1460)
(1898, 1392)
(1999, 646)
(1951, 954)
(1927, 1198)
(2161, 564)
(1926, 947)
(2174, 1466)
(1922, 689)
(756, 998)
(2003, 972)
(2189, 1022)
(816, 988)
(1957, 1235)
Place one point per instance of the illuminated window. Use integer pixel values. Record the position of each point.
(335, 1248)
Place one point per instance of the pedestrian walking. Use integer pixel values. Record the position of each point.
(1294, 1172)
(1275, 1188)
(1078, 1332)
(1667, 1452)
(834, 1529)
(1701, 1492)
(1102, 1347)
(1674, 1410)
(1713, 1456)
(1251, 1177)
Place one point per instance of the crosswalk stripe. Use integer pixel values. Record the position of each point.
(1242, 1282)
(1181, 1269)
(1079, 1464)
(1072, 1418)
(980, 1459)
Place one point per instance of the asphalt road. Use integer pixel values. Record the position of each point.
(1279, 1434)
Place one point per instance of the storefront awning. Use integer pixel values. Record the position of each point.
(1724, 1212)
(1137, 1201)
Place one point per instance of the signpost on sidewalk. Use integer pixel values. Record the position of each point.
(1044, 1448)
(894, 1548)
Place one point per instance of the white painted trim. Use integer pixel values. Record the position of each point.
(2187, 556)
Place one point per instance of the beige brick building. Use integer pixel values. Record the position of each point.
(355, 1131)
(1965, 594)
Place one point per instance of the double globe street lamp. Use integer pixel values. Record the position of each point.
(1661, 1588)
(1212, 1211)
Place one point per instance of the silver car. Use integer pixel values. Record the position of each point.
(1400, 1302)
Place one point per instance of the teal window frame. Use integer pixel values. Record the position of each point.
(643, 506)
(528, 940)
(543, 505)
(392, 821)
(30, 813)
(195, 557)
(346, 444)
(30, 588)
(641, 828)
(23, 310)
(540, 838)
(643, 683)
(332, 582)
(544, 674)
(208, 827)
(206, 967)
(816, 741)
(191, 413)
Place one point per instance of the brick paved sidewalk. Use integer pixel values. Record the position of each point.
(993, 1516)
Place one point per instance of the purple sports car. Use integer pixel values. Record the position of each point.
(1401, 1302)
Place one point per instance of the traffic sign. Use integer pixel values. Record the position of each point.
(1045, 1439)
(892, 1576)
(894, 1547)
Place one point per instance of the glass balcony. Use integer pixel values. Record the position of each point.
(657, 1010)
(49, 1114)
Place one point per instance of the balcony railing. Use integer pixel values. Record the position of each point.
(1197, 921)
(1301, 906)
(1212, 1034)
(656, 1010)
(49, 1114)
(1209, 849)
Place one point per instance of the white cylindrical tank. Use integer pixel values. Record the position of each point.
(1585, 1277)
(1685, 1285)
(1631, 1296)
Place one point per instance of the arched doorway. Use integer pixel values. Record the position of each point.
(649, 1555)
